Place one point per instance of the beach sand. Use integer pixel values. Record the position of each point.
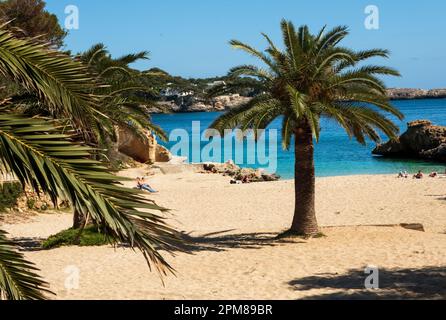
(235, 255)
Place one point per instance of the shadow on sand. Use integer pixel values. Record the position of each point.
(219, 241)
(425, 283)
(29, 244)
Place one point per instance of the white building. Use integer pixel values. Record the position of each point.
(216, 83)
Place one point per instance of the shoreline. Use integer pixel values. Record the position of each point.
(182, 162)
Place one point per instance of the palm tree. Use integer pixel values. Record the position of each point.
(95, 92)
(48, 156)
(312, 77)
(122, 91)
(121, 101)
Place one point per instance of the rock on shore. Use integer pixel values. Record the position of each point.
(422, 140)
(141, 150)
(239, 174)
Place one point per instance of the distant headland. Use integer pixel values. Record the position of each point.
(174, 100)
(409, 94)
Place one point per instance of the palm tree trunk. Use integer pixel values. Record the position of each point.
(79, 219)
(304, 222)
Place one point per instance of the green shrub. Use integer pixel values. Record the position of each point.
(10, 192)
(31, 203)
(90, 237)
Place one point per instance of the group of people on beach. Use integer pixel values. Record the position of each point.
(420, 175)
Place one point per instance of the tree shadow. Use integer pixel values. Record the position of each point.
(394, 284)
(29, 244)
(218, 241)
(440, 197)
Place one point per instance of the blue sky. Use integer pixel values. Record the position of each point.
(190, 38)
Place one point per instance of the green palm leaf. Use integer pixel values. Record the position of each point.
(62, 84)
(18, 277)
(49, 160)
(121, 95)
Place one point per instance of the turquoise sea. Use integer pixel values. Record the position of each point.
(335, 154)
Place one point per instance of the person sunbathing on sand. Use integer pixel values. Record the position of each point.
(419, 175)
(142, 185)
(433, 174)
(246, 179)
(403, 174)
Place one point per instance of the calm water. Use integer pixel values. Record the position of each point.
(335, 153)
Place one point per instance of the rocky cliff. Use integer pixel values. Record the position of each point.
(139, 149)
(422, 140)
(195, 104)
(409, 94)
(227, 102)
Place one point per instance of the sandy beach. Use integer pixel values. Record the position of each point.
(220, 114)
(234, 253)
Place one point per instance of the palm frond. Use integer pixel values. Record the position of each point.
(96, 52)
(18, 277)
(291, 41)
(235, 117)
(121, 98)
(332, 37)
(287, 132)
(260, 115)
(133, 57)
(247, 48)
(62, 84)
(44, 156)
(358, 118)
